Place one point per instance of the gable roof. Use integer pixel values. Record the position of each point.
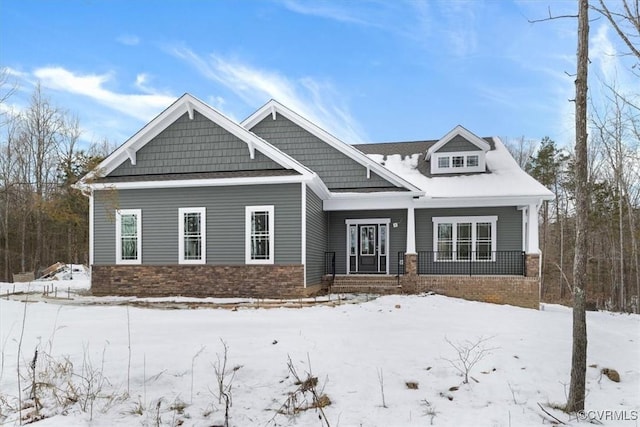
(458, 130)
(273, 107)
(187, 103)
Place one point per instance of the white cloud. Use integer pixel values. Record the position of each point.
(604, 54)
(332, 11)
(128, 40)
(141, 106)
(316, 100)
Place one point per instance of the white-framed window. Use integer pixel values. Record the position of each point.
(259, 234)
(462, 162)
(471, 238)
(192, 235)
(128, 236)
(458, 161)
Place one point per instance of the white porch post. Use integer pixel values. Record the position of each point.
(411, 230)
(532, 230)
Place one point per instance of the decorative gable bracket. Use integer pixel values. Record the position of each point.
(252, 150)
(190, 109)
(131, 153)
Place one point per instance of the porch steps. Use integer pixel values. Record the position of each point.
(365, 283)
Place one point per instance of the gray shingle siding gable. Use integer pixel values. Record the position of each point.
(509, 232)
(337, 170)
(225, 238)
(197, 145)
(458, 143)
(316, 238)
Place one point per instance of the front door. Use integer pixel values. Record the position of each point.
(368, 248)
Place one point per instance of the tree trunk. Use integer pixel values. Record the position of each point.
(575, 401)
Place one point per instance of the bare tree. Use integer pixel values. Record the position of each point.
(626, 22)
(575, 401)
(43, 127)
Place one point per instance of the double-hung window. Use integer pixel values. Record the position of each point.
(472, 238)
(259, 234)
(192, 229)
(128, 236)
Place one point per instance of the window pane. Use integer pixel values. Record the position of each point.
(464, 240)
(192, 223)
(483, 251)
(260, 222)
(445, 250)
(260, 249)
(472, 161)
(353, 239)
(458, 161)
(483, 241)
(383, 240)
(445, 231)
(483, 230)
(129, 225)
(367, 240)
(443, 162)
(445, 242)
(129, 248)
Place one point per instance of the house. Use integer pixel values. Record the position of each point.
(196, 204)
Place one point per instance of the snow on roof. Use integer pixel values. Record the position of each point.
(505, 177)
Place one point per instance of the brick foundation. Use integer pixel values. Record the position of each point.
(514, 290)
(257, 281)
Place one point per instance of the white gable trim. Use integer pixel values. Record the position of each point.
(272, 107)
(459, 130)
(188, 104)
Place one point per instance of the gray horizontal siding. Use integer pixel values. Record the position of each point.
(197, 145)
(338, 234)
(509, 232)
(458, 143)
(334, 168)
(316, 238)
(225, 221)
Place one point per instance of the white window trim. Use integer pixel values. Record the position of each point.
(119, 213)
(247, 237)
(474, 220)
(203, 234)
(436, 169)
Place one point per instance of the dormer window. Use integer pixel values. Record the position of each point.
(459, 151)
(465, 162)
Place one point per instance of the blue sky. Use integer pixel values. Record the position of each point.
(367, 71)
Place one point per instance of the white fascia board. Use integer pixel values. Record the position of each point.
(353, 202)
(187, 103)
(185, 183)
(459, 130)
(343, 202)
(468, 202)
(273, 106)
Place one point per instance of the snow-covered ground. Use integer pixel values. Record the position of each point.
(352, 349)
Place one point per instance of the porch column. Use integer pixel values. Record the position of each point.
(532, 230)
(411, 230)
(533, 259)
